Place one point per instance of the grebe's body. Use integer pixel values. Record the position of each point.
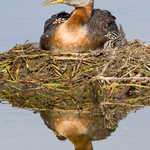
(85, 28)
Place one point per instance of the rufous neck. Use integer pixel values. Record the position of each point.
(81, 142)
(81, 15)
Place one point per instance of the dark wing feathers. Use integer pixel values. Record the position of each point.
(101, 22)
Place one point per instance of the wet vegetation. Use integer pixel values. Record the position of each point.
(39, 79)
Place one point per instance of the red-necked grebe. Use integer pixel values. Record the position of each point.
(85, 28)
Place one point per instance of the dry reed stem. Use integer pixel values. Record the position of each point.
(131, 79)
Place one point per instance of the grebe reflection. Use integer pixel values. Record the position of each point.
(79, 128)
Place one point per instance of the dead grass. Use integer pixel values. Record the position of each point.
(38, 79)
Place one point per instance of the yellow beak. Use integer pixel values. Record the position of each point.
(51, 2)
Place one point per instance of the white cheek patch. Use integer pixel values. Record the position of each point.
(79, 3)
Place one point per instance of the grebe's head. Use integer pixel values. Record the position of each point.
(75, 3)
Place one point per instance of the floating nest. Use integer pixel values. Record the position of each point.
(39, 79)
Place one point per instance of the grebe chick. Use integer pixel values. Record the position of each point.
(116, 39)
(84, 29)
(51, 23)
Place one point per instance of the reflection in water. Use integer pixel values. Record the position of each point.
(80, 120)
(81, 128)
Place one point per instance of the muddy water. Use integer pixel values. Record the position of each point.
(22, 129)
(23, 20)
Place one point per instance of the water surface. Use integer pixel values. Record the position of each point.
(21, 129)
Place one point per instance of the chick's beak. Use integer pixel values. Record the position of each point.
(51, 2)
